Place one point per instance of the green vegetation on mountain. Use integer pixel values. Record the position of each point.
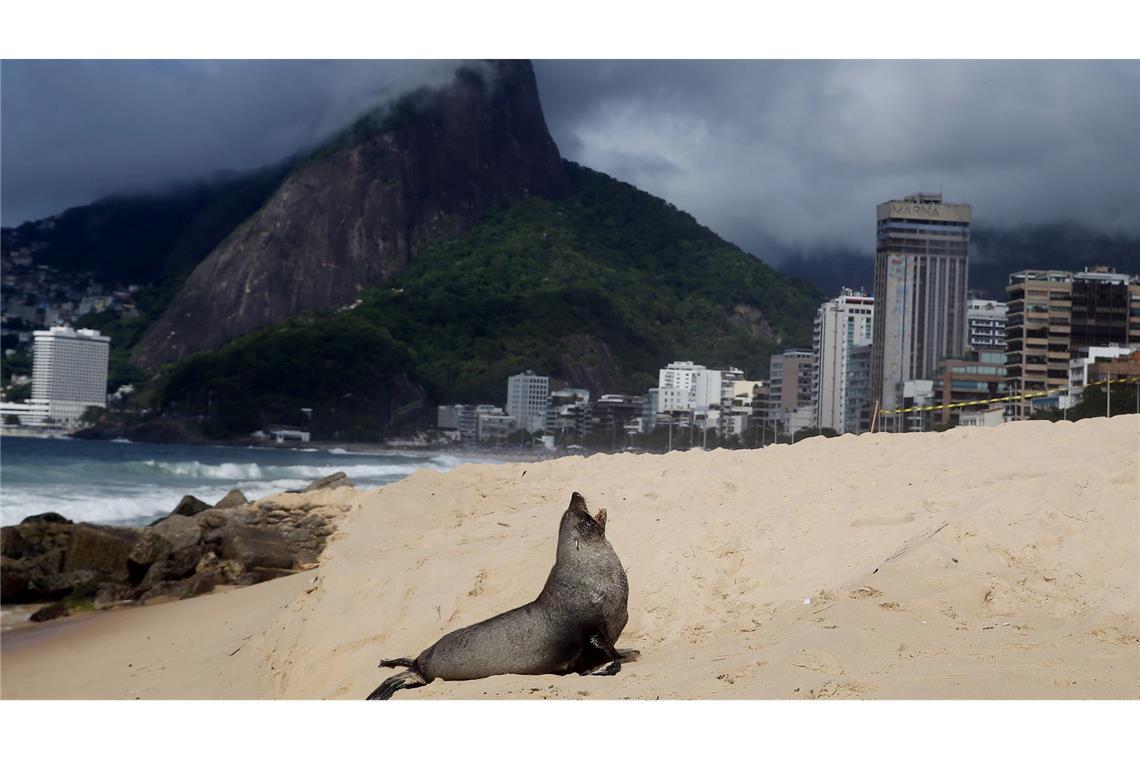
(345, 369)
(144, 238)
(599, 288)
(126, 331)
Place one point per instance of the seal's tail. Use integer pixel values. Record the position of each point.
(409, 679)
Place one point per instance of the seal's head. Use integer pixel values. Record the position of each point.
(581, 520)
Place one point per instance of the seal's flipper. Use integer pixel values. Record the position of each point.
(409, 679)
(611, 668)
(629, 655)
(399, 662)
(602, 645)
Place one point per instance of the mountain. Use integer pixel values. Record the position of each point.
(143, 238)
(358, 210)
(597, 288)
(995, 253)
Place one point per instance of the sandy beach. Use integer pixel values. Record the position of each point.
(976, 563)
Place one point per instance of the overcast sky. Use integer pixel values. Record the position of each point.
(773, 155)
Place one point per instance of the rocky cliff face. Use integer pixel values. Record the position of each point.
(357, 211)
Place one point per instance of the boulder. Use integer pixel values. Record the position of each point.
(179, 564)
(212, 518)
(103, 552)
(188, 507)
(199, 584)
(252, 547)
(299, 536)
(11, 542)
(33, 539)
(221, 571)
(234, 498)
(46, 517)
(13, 580)
(50, 612)
(150, 548)
(179, 531)
(22, 579)
(110, 594)
(59, 585)
(174, 589)
(336, 480)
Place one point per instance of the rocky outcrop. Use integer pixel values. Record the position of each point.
(190, 506)
(234, 498)
(336, 480)
(752, 320)
(588, 363)
(357, 211)
(151, 431)
(253, 547)
(46, 517)
(50, 559)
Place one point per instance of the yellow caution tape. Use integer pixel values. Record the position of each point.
(1034, 394)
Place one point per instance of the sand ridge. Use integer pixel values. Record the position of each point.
(1002, 562)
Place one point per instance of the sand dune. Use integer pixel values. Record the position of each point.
(968, 564)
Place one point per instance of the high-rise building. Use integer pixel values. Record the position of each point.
(1052, 315)
(614, 413)
(69, 371)
(921, 252)
(527, 396)
(789, 394)
(1106, 308)
(567, 412)
(688, 387)
(985, 325)
(841, 325)
(858, 396)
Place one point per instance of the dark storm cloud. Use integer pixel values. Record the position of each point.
(74, 131)
(777, 155)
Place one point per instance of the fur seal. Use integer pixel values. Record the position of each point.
(570, 628)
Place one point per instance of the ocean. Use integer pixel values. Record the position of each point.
(124, 483)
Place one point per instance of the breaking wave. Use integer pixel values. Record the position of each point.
(107, 482)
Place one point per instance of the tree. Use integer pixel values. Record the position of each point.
(1093, 403)
(92, 415)
(12, 420)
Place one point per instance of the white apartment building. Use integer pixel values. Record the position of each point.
(985, 324)
(527, 397)
(689, 387)
(1079, 364)
(841, 325)
(32, 413)
(69, 371)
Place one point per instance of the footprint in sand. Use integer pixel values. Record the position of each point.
(841, 690)
(865, 592)
(820, 661)
(477, 589)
